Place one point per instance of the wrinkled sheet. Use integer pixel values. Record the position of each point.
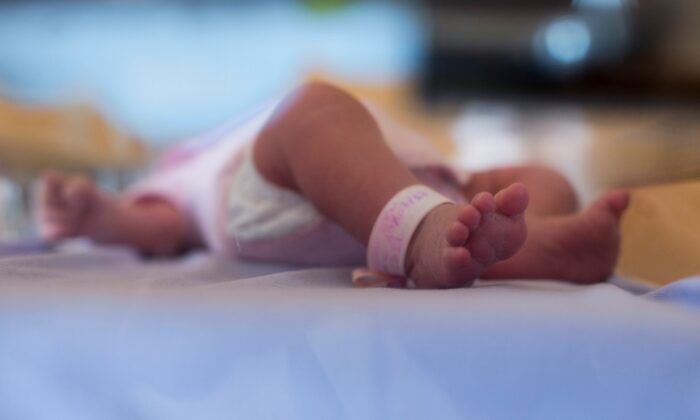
(102, 334)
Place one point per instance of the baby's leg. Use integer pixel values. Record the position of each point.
(70, 206)
(325, 145)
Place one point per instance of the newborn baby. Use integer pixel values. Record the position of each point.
(323, 178)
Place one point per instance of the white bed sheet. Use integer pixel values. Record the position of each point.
(102, 335)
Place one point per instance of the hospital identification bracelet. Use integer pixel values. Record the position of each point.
(395, 226)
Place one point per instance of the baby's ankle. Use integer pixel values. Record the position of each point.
(428, 238)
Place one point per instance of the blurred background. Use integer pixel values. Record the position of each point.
(604, 90)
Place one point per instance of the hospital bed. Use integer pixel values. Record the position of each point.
(88, 333)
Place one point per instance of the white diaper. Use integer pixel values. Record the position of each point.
(256, 209)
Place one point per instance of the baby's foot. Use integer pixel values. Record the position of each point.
(455, 244)
(580, 248)
(70, 206)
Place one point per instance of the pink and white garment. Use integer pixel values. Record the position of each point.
(212, 179)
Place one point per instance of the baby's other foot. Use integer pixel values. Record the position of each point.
(68, 206)
(455, 244)
(580, 248)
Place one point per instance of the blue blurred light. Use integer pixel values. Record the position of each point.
(567, 41)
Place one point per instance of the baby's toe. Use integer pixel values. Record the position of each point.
(484, 202)
(513, 200)
(456, 258)
(618, 201)
(457, 234)
(460, 266)
(469, 216)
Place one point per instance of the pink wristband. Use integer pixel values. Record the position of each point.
(394, 228)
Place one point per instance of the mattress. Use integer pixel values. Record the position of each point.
(100, 333)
